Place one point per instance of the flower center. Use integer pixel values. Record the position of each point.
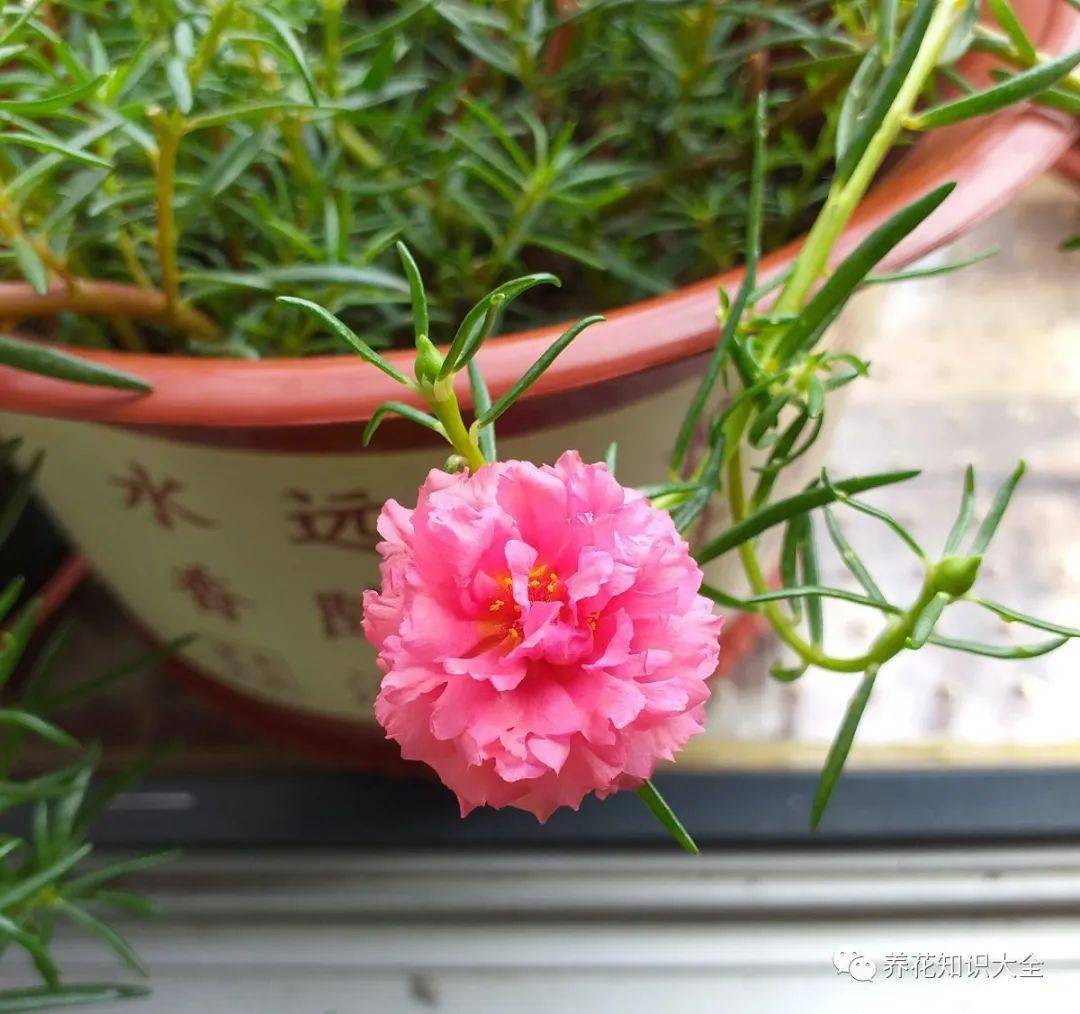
(503, 623)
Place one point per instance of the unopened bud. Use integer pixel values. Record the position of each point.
(955, 575)
(428, 361)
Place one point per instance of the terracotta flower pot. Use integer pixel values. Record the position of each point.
(235, 501)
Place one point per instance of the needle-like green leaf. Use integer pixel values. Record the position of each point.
(1024, 85)
(406, 412)
(851, 560)
(421, 326)
(1018, 651)
(997, 510)
(841, 747)
(485, 437)
(347, 335)
(49, 998)
(963, 518)
(1015, 616)
(53, 103)
(291, 46)
(924, 623)
(887, 87)
(659, 808)
(776, 513)
(854, 268)
(479, 321)
(874, 512)
(50, 361)
(1006, 17)
(536, 371)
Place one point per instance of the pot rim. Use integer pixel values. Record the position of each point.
(992, 158)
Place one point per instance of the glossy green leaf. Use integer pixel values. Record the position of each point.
(252, 110)
(24, 13)
(813, 592)
(13, 894)
(887, 11)
(90, 881)
(15, 637)
(35, 947)
(853, 108)
(815, 616)
(961, 36)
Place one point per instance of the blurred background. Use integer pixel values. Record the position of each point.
(949, 858)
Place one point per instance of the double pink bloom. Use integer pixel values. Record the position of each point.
(541, 634)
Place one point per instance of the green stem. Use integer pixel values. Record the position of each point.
(331, 45)
(169, 129)
(444, 406)
(844, 197)
(208, 46)
(888, 643)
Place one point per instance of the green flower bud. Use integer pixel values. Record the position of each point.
(428, 361)
(955, 575)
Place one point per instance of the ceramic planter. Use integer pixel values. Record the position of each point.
(236, 502)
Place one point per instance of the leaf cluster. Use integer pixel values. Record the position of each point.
(45, 877)
(228, 152)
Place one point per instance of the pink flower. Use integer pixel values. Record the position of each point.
(541, 634)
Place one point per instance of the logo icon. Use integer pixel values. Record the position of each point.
(854, 963)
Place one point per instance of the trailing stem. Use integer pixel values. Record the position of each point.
(844, 195)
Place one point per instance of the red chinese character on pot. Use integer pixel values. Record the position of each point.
(341, 613)
(345, 520)
(210, 593)
(159, 496)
